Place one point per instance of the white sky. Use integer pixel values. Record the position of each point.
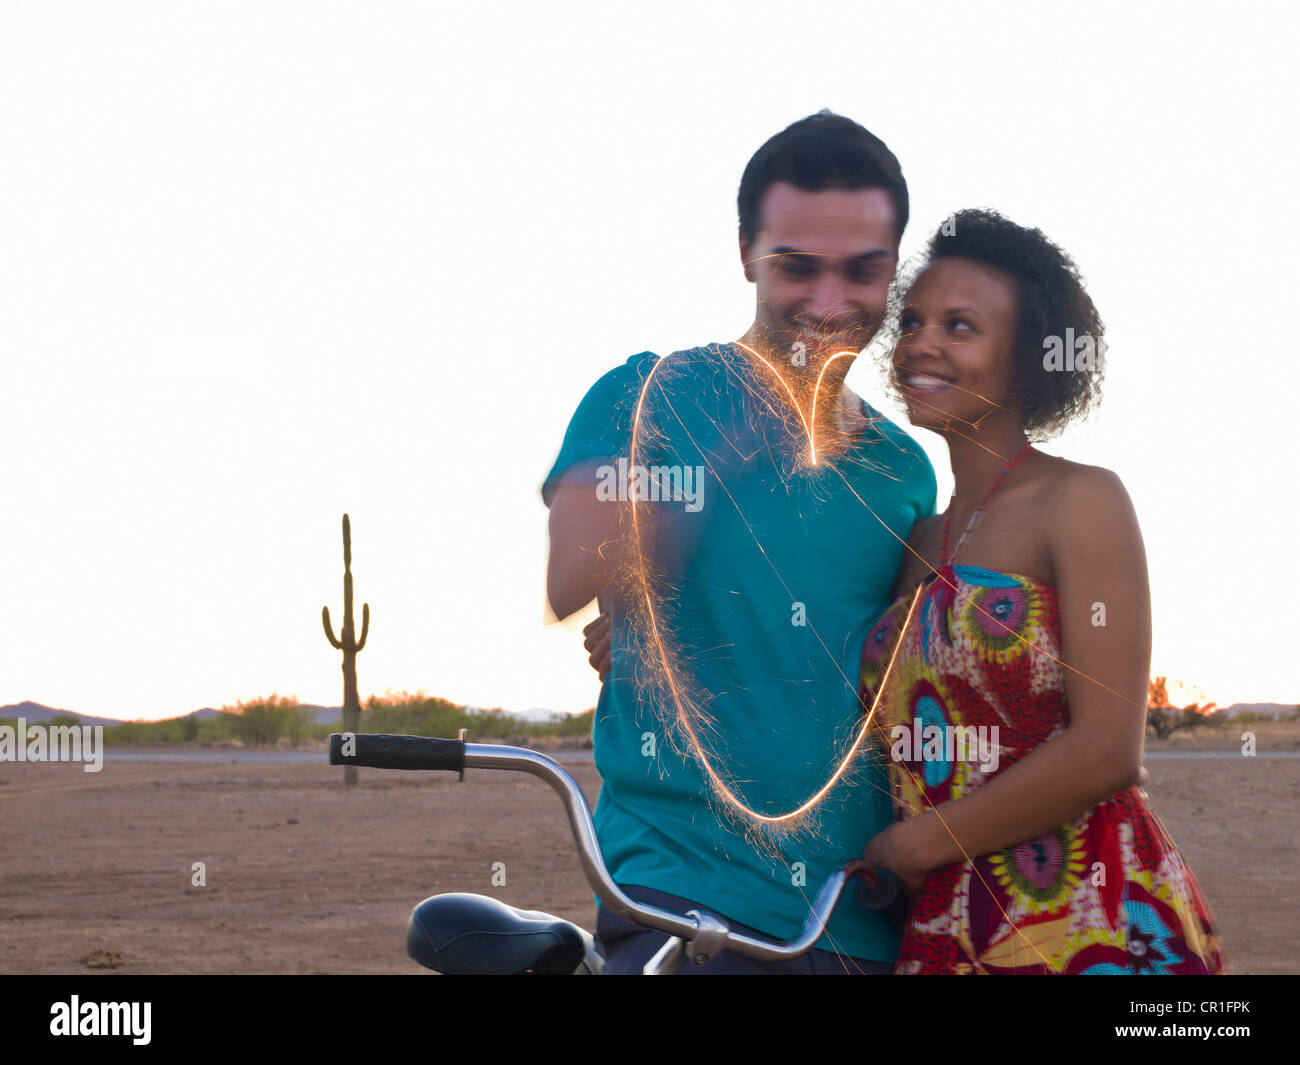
(262, 263)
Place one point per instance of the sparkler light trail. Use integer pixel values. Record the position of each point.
(688, 723)
(809, 423)
(810, 440)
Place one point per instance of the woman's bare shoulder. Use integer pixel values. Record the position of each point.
(1075, 486)
(1087, 506)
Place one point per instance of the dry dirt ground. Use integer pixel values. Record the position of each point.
(303, 877)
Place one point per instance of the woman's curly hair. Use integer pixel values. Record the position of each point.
(1050, 298)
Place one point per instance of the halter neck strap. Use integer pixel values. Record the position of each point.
(979, 511)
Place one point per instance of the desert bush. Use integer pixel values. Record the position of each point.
(1253, 717)
(423, 715)
(169, 730)
(1164, 721)
(567, 726)
(265, 720)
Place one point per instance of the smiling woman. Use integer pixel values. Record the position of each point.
(1004, 267)
(1046, 859)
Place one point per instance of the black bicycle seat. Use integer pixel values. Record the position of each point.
(459, 934)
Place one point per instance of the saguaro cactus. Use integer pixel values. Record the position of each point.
(349, 645)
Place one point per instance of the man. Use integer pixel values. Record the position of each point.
(773, 508)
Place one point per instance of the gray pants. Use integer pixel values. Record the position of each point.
(628, 946)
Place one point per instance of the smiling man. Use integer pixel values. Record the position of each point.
(735, 629)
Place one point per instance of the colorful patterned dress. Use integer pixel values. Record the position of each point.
(1106, 893)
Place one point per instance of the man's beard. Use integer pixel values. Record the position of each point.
(801, 350)
(808, 365)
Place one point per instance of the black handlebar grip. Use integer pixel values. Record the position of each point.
(876, 888)
(383, 751)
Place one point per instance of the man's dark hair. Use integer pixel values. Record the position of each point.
(822, 151)
(1050, 299)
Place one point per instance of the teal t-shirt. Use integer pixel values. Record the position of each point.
(769, 573)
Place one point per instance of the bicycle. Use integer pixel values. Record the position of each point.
(464, 934)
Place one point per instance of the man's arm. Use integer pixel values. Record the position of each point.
(586, 542)
(591, 538)
(586, 530)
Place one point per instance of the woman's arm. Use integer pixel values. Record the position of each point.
(915, 565)
(1101, 575)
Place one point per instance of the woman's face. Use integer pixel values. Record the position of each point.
(954, 361)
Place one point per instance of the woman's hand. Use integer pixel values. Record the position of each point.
(890, 849)
(598, 643)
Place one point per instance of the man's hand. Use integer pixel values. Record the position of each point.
(598, 643)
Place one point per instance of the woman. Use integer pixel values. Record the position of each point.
(1008, 681)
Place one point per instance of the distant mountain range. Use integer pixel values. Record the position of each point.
(34, 713)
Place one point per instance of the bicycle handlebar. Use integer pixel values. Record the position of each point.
(382, 751)
(706, 935)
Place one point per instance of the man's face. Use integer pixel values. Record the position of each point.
(822, 263)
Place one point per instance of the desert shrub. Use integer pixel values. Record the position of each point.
(169, 730)
(1254, 717)
(1164, 721)
(126, 732)
(265, 720)
(567, 726)
(424, 715)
